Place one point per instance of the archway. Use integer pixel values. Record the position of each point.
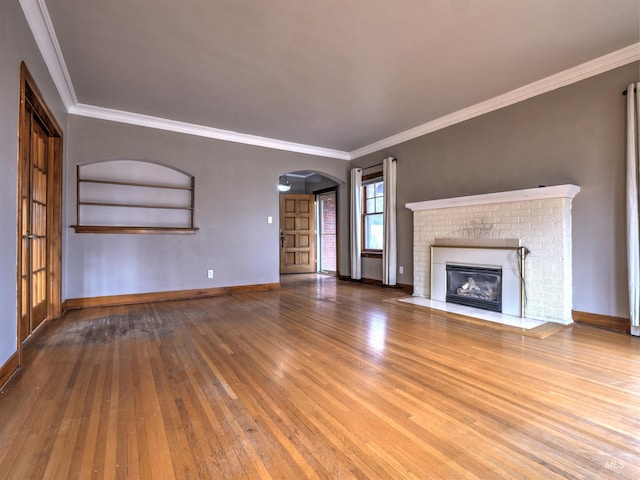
(308, 223)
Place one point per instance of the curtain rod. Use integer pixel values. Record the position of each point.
(625, 92)
(377, 164)
(371, 166)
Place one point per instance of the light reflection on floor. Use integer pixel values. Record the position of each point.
(377, 333)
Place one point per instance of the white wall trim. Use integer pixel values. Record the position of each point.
(201, 131)
(541, 193)
(37, 16)
(567, 77)
(39, 21)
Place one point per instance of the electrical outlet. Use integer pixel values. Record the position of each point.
(401, 270)
(209, 273)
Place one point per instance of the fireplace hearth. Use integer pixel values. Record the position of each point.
(475, 286)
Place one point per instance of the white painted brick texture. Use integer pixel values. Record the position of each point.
(543, 226)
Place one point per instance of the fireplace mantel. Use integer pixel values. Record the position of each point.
(539, 193)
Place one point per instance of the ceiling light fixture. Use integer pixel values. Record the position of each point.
(284, 185)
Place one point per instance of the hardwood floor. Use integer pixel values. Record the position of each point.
(321, 379)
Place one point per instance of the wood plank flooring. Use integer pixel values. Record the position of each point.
(322, 379)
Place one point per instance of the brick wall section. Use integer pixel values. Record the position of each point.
(328, 235)
(543, 226)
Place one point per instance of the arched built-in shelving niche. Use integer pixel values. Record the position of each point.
(133, 196)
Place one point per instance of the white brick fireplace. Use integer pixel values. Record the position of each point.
(540, 218)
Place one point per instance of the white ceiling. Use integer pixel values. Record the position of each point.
(336, 74)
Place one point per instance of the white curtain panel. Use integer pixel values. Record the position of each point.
(633, 223)
(389, 245)
(356, 224)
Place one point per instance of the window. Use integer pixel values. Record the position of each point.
(372, 215)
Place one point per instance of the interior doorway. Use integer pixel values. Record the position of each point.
(327, 237)
(39, 211)
(308, 223)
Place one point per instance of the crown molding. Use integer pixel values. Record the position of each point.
(37, 16)
(39, 21)
(572, 75)
(201, 131)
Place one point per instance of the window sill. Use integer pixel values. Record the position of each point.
(371, 254)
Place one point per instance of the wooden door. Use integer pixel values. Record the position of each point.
(35, 271)
(297, 233)
(39, 212)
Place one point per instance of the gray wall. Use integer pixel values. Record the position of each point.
(16, 45)
(575, 134)
(235, 193)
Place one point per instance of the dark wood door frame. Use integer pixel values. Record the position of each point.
(33, 106)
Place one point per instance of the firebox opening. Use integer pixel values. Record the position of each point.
(475, 286)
